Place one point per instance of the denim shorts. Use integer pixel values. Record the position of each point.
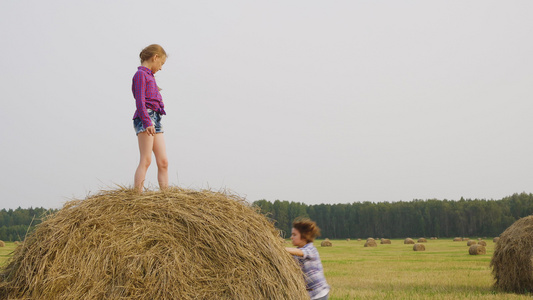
(156, 120)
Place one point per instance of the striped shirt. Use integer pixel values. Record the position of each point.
(313, 271)
(147, 96)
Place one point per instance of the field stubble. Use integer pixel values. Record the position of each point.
(444, 271)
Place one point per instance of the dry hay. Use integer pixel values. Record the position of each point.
(422, 240)
(408, 241)
(348, 239)
(470, 243)
(419, 247)
(2, 244)
(371, 243)
(175, 244)
(433, 238)
(482, 243)
(326, 243)
(511, 262)
(358, 240)
(496, 239)
(477, 249)
(385, 241)
(457, 239)
(370, 239)
(17, 243)
(466, 239)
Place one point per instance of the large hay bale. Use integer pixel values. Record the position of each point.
(511, 262)
(175, 244)
(457, 239)
(419, 247)
(326, 243)
(470, 243)
(371, 243)
(477, 249)
(422, 240)
(408, 241)
(482, 243)
(385, 241)
(2, 244)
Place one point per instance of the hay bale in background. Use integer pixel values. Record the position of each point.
(477, 249)
(371, 243)
(496, 239)
(385, 241)
(358, 240)
(482, 243)
(347, 239)
(175, 244)
(326, 243)
(422, 240)
(2, 244)
(470, 243)
(419, 247)
(408, 241)
(511, 263)
(466, 239)
(457, 239)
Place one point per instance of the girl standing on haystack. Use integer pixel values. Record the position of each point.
(304, 232)
(147, 117)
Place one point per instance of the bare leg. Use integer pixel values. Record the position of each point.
(146, 145)
(161, 159)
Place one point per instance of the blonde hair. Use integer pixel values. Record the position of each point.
(307, 228)
(151, 51)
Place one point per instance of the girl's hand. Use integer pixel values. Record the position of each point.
(150, 130)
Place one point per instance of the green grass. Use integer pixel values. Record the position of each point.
(444, 271)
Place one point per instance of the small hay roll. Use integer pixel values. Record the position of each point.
(326, 243)
(471, 242)
(457, 239)
(408, 241)
(174, 244)
(358, 240)
(348, 239)
(2, 244)
(422, 240)
(371, 243)
(482, 243)
(385, 241)
(419, 247)
(496, 239)
(477, 249)
(511, 262)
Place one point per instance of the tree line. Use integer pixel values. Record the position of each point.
(417, 218)
(14, 224)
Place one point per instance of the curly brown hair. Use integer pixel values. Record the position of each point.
(307, 228)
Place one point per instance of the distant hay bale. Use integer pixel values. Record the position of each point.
(348, 239)
(371, 243)
(174, 244)
(466, 239)
(17, 243)
(385, 241)
(370, 239)
(482, 243)
(511, 262)
(457, 239)
(433, 238)
(496, 239)
(477, 249)
(326, 243)
(408, 241)
(2, 244)
(419, 247)
(471, 242)
(358, 240)
(422, 240)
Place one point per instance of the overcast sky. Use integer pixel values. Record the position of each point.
(307, 101)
